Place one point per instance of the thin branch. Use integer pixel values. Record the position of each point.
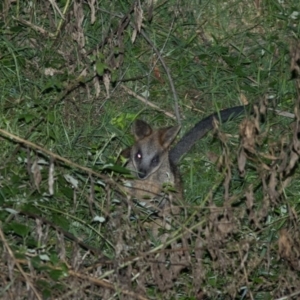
(147, 102)
(59, 158)
(106, 284)
(283, 113)
(289, 296)
(34, 27)
(176, 107)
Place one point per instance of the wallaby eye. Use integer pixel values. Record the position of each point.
(154, 161)
(138, 155)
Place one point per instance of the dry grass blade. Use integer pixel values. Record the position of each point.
(23, 273)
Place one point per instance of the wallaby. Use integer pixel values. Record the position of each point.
(151, 160)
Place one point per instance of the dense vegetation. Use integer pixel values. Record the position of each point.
(75, 75)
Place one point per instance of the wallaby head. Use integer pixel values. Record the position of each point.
(151, 147)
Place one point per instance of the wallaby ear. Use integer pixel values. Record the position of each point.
(141, 129)
(167, 135)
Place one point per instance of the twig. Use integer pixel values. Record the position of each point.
(59, 158)
(18, 265)
(283, 113)
(132, 93)
(194, 109)
(289, 296)
(106, 284)
(34, 27)
(168, 74)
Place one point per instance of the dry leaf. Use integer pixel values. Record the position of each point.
(157, 74)
(51, 178)
(248, 134)
(243, 99)
(138, 19)
(249, 197)
(242, 159)
(78, 34)
(93, 10)
(106, 81)
(284, 244)
(37, 176)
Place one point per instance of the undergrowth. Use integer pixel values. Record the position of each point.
(74, 77)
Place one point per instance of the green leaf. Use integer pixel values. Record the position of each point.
(220, 50)
(45, 287)
(116, 50)
(16, 29)
(51, 117)
(54, 84)
(27, 117)
(54, 258)
(57, 274)
(100, 67)
(20, 255)
(52, 134)
(38, 264)
(19, 229)
(15, 179)
(60, 221)
(28, 207)
(67, 192)
(2, 197)
(31, 242)
(122, 120)
(114, 76)
(3, 214)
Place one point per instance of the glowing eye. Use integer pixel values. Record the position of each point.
(138, 155)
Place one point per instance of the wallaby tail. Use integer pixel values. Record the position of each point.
(200, 129)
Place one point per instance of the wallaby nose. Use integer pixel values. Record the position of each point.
(142, 173)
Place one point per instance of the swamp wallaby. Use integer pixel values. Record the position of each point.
(152, 161)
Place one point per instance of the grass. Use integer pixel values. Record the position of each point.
(65, 232)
